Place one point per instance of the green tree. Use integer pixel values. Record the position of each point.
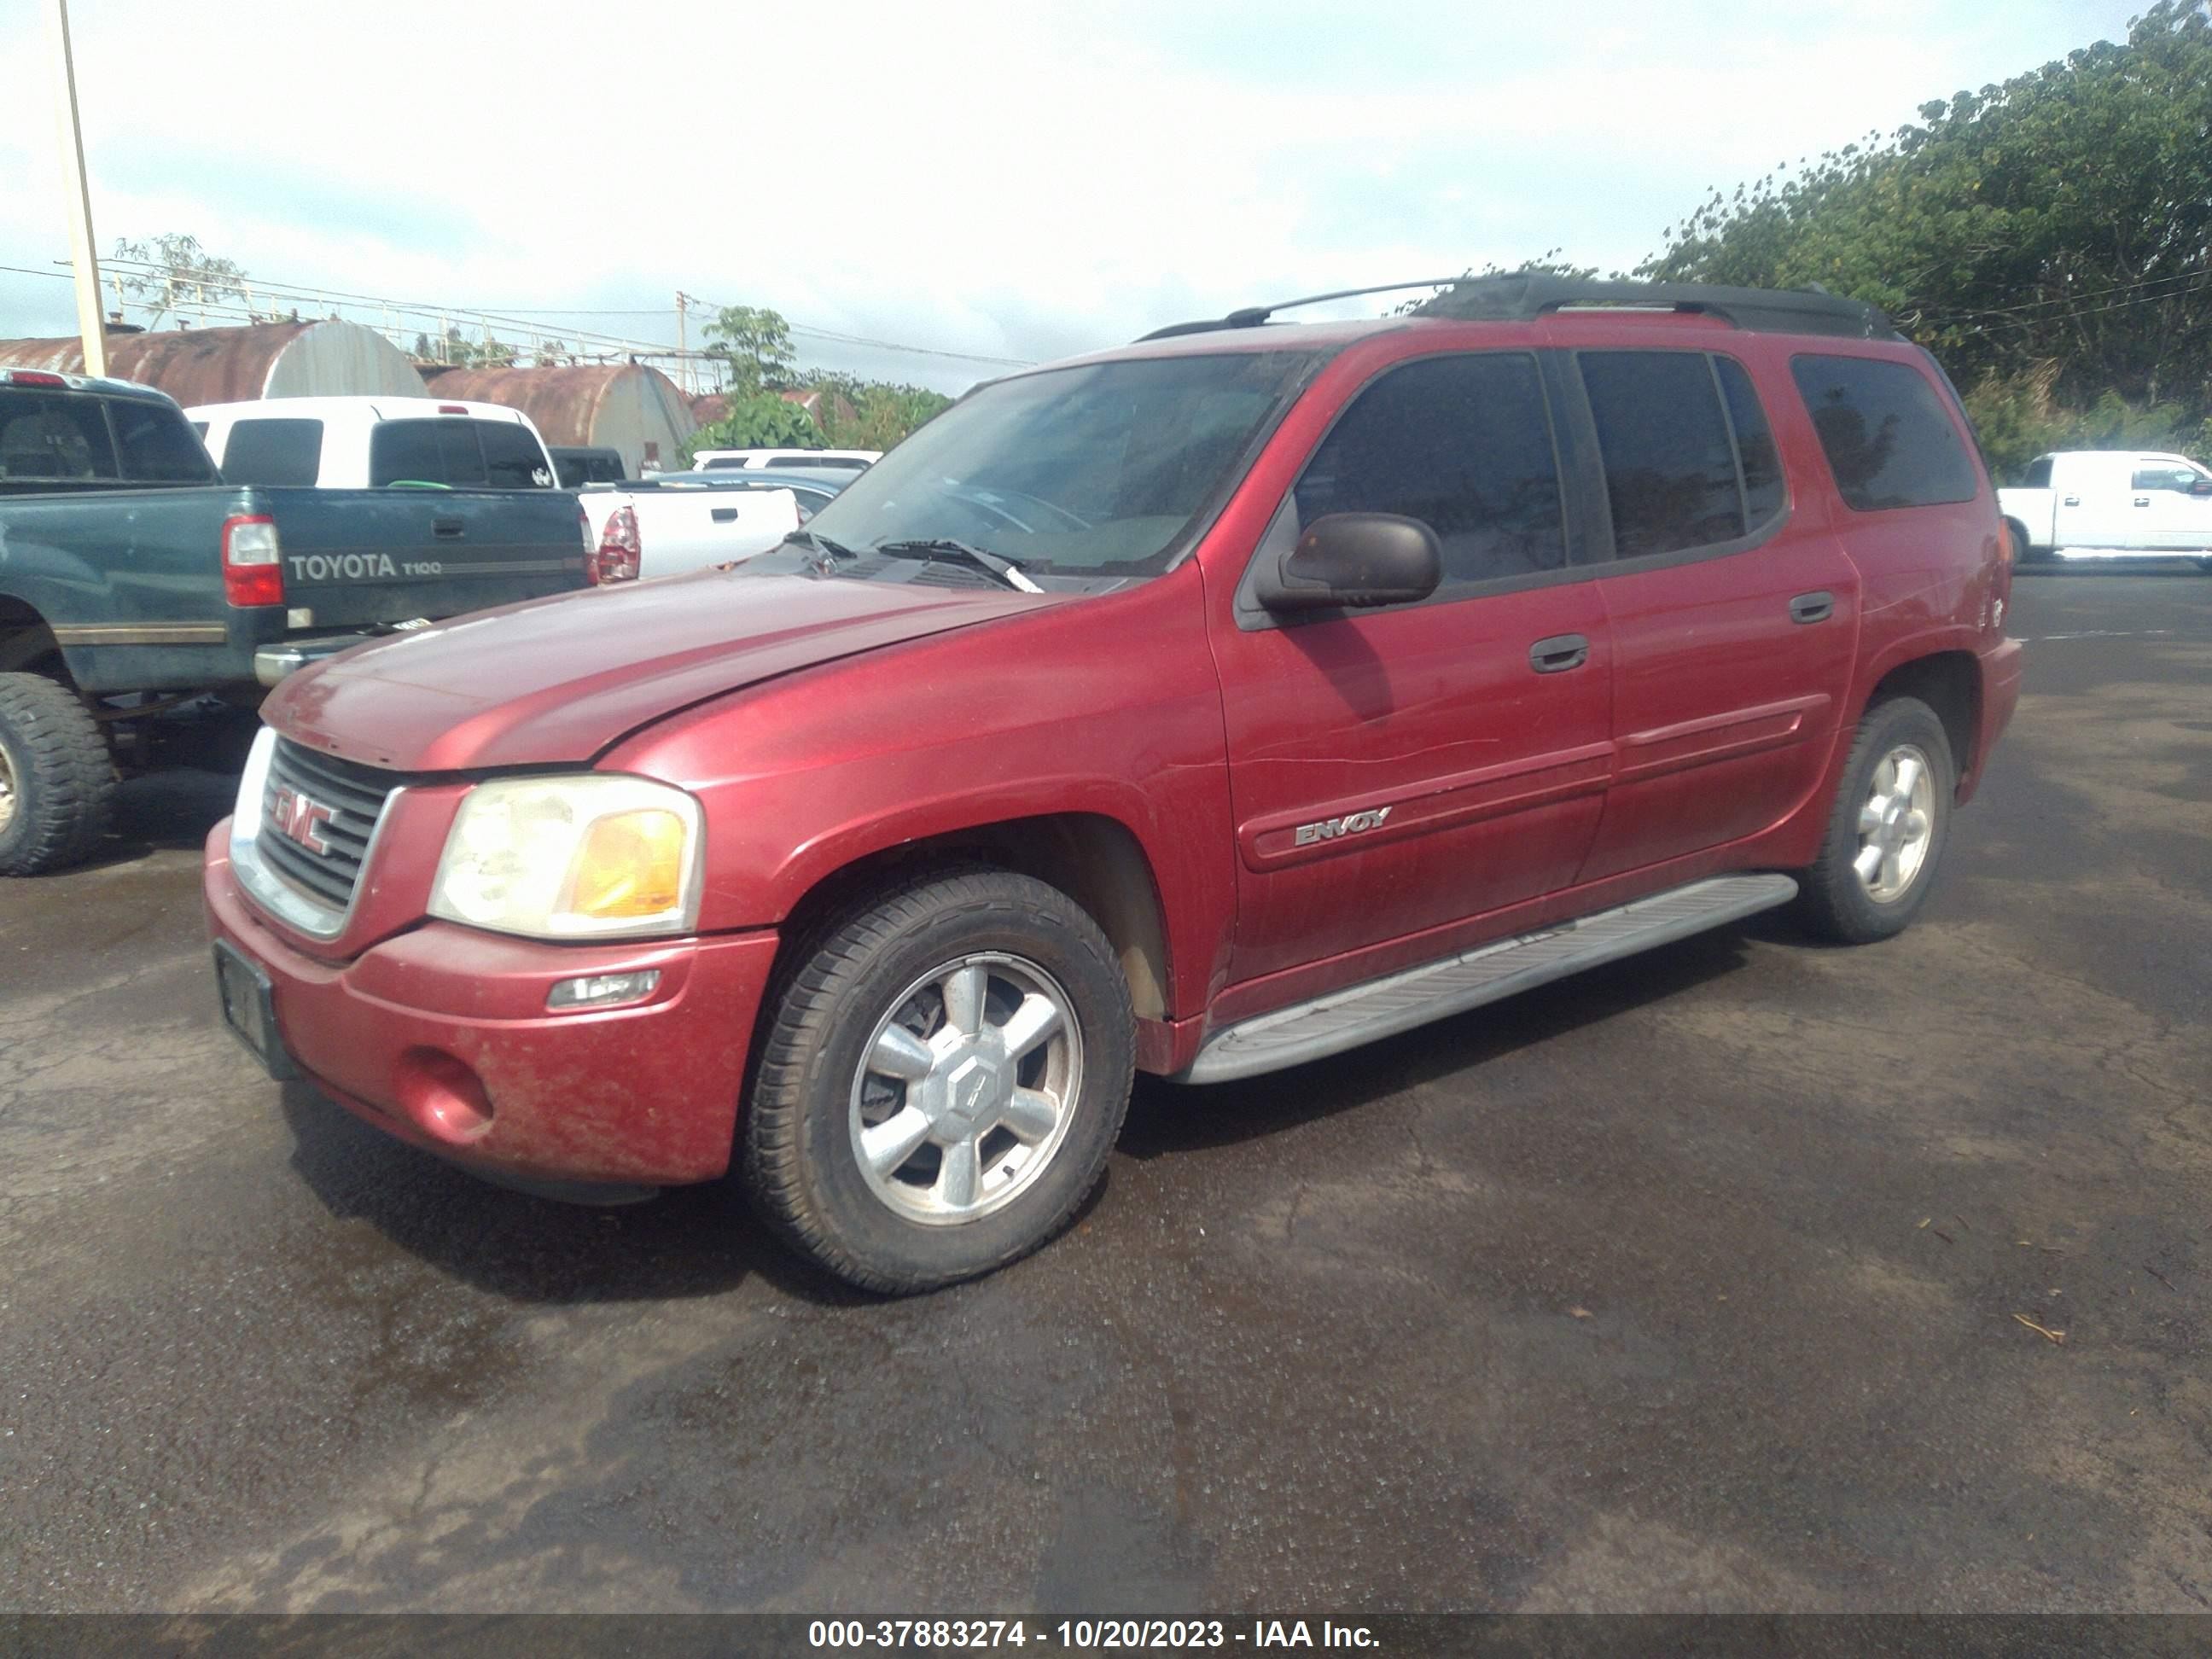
(756, 344)
(2049, 239)
(881, 412)
(756, 420)
(174, 269)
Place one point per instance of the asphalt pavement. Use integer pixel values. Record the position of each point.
(1732, 1277)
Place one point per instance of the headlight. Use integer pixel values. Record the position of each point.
(590, 856)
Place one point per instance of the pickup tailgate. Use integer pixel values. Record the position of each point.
(355, 557)
(683, 526)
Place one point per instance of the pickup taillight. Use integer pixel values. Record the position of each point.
(616, 559)
(253, 561)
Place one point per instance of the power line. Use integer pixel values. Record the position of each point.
(2086, 294)
(512, 317)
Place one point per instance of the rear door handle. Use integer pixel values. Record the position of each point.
(447, 529)
(723, 514)
(1559, 653)
(2142, 501)
(1812, 607)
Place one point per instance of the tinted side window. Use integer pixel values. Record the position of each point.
(434, 450)
(1669, 469)
(512, 458)
(51, 435)
(1463, 444)
(286, 451)
(2039, 474)
(404, 450)
(1887, 439)
(157, 445)
(1763, 490)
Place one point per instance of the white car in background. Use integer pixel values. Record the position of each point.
(367, 442)
(673, 522)
(844, 460)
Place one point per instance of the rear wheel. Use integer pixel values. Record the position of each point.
(1887, 831)
(946, 1072)
(56, 778)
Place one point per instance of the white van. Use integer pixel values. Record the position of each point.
(365, 443)
(845, 460)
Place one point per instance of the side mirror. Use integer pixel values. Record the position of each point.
(2200, 487)
(1354, 560)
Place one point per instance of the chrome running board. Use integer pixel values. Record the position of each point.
(1435, 990)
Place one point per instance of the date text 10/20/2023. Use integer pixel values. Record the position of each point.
(1086, 1633)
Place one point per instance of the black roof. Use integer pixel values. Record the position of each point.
(1524, 295)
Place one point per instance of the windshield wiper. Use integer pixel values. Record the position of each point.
(835, 549)
(1008, 570)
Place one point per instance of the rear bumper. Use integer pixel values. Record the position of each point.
(439, 1036)
(2000, 668)
(272, 663)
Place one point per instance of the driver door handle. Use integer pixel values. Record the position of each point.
(1559, 653)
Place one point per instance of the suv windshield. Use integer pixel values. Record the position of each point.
(1093, 471)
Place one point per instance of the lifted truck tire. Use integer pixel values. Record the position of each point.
(57, 777)
(942, 1078)
(1886, 830)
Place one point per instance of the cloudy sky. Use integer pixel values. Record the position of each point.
(1009, 181)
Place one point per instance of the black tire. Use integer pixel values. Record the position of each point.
(58, 774)
(2023, 550)
(799, 1164)
(1832, 902)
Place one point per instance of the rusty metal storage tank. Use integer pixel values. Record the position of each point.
(623, 406)
(325, 358)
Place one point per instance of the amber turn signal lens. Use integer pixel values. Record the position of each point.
(631, 864)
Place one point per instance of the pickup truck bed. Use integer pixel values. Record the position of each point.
(129, 586)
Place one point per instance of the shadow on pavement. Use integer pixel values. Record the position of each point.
(689, 1242)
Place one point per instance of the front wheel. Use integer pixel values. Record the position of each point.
(56, 778)
(946, 1073)
(1887, 831)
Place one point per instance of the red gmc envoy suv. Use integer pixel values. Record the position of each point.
(1197, 708)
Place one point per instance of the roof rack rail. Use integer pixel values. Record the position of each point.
(1521, 296)
(1253, 316)
(1524, 295)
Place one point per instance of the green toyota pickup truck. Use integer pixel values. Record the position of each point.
(135, 581)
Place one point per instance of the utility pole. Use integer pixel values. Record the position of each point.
(83, 251)
(682, 356)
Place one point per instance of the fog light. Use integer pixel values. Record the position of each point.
(603, 990)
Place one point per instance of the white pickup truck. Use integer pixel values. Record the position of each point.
(673, 522)
(367, 442)
(2110, 504)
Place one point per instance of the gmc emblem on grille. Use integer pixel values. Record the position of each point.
(1329, 829)
(296, 816)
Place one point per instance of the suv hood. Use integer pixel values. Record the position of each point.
(559, 680)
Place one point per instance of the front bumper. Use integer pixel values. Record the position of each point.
(440, 1035)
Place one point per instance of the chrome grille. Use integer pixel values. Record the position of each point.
(356, 795)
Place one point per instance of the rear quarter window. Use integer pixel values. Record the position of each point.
(52, 435)
(156, 445)
(1889, 441)
(430, 449)
(512, 458)
(274, 452)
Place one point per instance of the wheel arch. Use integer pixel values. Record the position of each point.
(1949, 681)
(1095, 859)
(27, 644)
